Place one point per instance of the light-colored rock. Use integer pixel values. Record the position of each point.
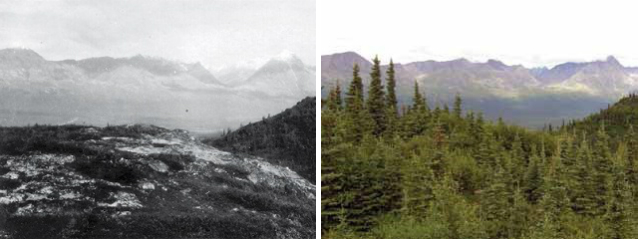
(158, 166)
(122, 214)
(11, 175)
(123, 199)
(147, 186)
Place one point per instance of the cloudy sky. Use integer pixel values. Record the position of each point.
(532, 33)
(213, 32)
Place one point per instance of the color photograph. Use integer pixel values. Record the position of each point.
(478, 119)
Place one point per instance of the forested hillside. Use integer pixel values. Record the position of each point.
(417, 172)
(618, 119)
(287, 139)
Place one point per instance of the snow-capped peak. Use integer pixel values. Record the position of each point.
(285, 55)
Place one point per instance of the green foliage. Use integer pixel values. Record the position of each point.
(391, 99)
(375, 104)
(445, 174)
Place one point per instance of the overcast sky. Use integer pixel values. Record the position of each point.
(532, 33)
(212, 32)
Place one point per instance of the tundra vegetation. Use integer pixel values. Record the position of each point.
(142, 181)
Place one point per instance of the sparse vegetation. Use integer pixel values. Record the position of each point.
(76, 182)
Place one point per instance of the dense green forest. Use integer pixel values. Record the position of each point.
(286, 139)
(416, 172)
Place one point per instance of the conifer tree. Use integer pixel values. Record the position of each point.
(334, 98)
(555, 200)
(418, 101)
(417, 191)
(391, 104)
(580, 182)
(458, 216)
(416, 119)
(391, 99)
(516, 162)
(357, 120)
(457, 106)
(375, 103)
(495, 205)
(631, 141)
(533, 179)
(354, 96)
(621, 207)
(338, 100)
(333, 161)
(601, 167)
(486, 152)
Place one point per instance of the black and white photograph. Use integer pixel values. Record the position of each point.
(158, 119)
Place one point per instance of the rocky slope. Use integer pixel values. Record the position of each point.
(142, 181)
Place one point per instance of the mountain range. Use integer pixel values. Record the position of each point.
(526, 96)
(141, 89)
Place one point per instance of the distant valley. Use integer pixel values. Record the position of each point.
(531, 97)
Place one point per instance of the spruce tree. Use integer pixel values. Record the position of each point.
(458, 216)
(334, 98)
(391, 104)
(620, 207)
(631, 142)
(533, 179)
(418, 179)
(354, 96)
(457, 106)
(391, 99)
(338, 100)
(357, 120)
(601, 169)
(416, 118)
(495, 205)
(581, 184)
(375, 103)
(516, 163)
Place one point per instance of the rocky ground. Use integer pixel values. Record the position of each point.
(143, 182)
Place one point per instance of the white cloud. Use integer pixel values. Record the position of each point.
(212, 32)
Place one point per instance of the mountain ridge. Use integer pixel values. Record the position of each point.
(512, 92)
(339, 65)
(136, 89)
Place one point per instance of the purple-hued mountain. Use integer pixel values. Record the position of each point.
(500, 89)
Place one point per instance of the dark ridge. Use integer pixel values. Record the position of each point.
(287, 139)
